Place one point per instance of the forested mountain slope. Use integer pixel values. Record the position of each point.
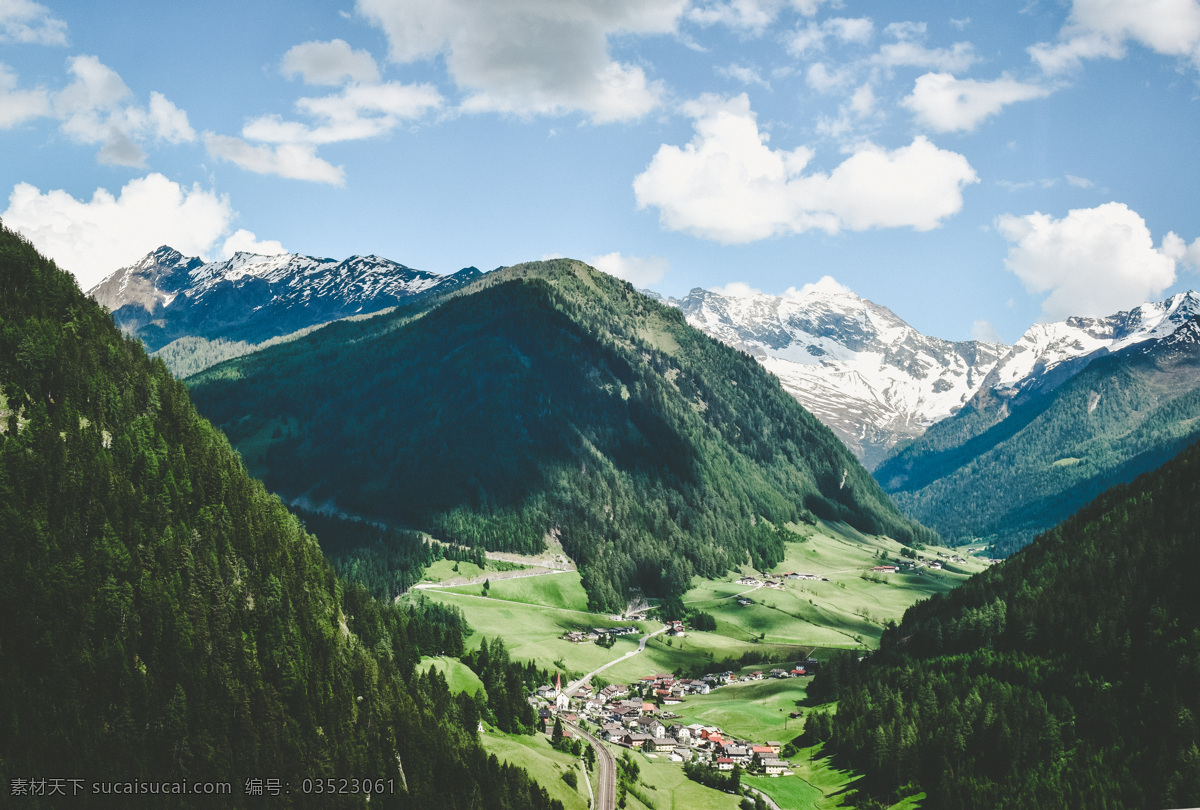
(548, 398)
(1064, 677)
(166, 619)
(1005, 468)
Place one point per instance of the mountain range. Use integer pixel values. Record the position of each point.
(862, 370)
(165, 295)
(1074, 408)
(958, 432)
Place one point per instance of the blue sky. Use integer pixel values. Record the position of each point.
(974, 166)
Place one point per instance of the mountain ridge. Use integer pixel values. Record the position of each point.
(865, 372)
(250, 297)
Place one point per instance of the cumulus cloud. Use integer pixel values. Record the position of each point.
(330, 63)
(19, 106)
(728, 185)
(1174, 247)
(91, 238)
(297, 161)
(1101, 28)
(31, 23)
(97, 108)
(946, 104)
(637, 270)
(244, 241)
(826, 285)
(532, 58)
(1094, 261)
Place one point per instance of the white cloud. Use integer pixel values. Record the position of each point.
(820, 78)
(528, 57)
(955, 59)
(637, 270)
(1101, 28)
(1079, 182)
(1094, 261)
(170, 123)
(1175, 248)
(908, 50)
(825, 284)
(331, 63)
(813, 36)
(728, 185)
(94, 237)
(244, 241)
(946, 104)
(743, 74)
(31, 23)
(862, 102)
(736, 289)
(97, 107)
(297, 161)
(985, 332)
(363, 108)
(751, 15)
(19, 106)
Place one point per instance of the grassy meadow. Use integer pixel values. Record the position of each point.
(544, 764)
(458, 675)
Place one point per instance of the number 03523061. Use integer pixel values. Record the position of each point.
(348, 786)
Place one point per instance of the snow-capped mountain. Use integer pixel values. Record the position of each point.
(856, 365)
(1049, 354)
(166, 295)
(1073, 408)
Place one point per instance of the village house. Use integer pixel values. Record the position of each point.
(774, 767)
(724, 764)
(652, 726)
(638, 741)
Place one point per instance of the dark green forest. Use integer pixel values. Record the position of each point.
(1064, 677)
(548, 398)
(1004, 471)
(165, 618)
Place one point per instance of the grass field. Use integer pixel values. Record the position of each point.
(816, 785)
(458, 675)
(757, 711)
(846, 611)
(544, 764)
(443, 570)
(563, 590)
(668, 789)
